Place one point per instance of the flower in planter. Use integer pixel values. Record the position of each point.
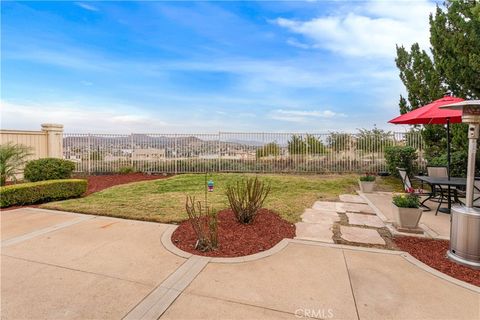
(406, 200)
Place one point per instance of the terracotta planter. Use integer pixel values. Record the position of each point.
(407, 218)
(366, 186)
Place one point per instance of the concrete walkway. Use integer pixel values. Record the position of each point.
(68, 266)
(351, 221)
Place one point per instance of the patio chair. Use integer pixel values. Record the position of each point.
(408, 187)
(440, 192)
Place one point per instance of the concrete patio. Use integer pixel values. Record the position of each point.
(435, 226)
(57, 265)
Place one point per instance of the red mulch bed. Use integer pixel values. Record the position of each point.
(98, 183)
(236, 239)
(433, 253)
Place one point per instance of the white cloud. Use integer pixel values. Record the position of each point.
(371, 29)
(76, 117)
(302, 115)
(87, 6)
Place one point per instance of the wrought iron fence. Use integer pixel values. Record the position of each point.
(235, 152)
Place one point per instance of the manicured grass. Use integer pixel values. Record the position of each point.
(164, 200)
(390, 184)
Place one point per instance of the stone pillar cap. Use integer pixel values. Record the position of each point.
(52, 127)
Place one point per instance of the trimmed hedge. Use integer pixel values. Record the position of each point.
(43, 191)
(48, 169)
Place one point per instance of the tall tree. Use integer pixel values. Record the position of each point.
(455, 39)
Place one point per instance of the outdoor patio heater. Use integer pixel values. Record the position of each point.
(465, 220)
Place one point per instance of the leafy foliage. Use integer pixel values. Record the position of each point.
(44, 191)
(126, 170)
(299, 145)
(12, 159)
(270, 149)
(406, 200)
(455, 46)
(339, 141)
(400, 157)
(204, 222)
(246, 197)
(373, 140)
(367, 178)
(48, 169)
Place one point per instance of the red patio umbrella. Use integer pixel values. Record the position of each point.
(432, 114)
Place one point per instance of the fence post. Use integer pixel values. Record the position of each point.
(176, 153)
(54, 134)
(131, 147)
(89, 154)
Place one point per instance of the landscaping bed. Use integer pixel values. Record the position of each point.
(100, 182)
(236, 239)
(433, 253)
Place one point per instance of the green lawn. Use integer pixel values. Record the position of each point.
(164, 200)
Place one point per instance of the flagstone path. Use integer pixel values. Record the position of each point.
(350, 221)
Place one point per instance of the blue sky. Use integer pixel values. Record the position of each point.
(314, 66)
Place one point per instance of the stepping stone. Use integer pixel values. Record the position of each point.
(325, 205)
(355, 207)
(365, 220)
(317, 216)
(361, 235)
(352, 198)
(314, 231)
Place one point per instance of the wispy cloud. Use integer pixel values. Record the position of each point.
(372, 29)
(87, 6)
(303, 115)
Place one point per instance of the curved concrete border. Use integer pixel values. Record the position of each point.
(168, 244)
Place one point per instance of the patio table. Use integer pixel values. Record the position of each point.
(444, 181)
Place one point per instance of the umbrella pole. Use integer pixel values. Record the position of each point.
(448, 163)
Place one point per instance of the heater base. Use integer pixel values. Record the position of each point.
(460, 260)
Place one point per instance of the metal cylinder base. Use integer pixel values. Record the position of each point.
(465, 236)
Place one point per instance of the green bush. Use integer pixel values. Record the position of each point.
(12, 158)
(406, 200)
(367, 178)
(43, 191)
(48, 169)
(126, 170)
(400, 157)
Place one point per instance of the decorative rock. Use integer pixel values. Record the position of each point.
(314, 231)
(361, 235)
(351, 198)
(365, 220)
(317, 216)
(355, 207)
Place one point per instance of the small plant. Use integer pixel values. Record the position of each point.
(204, 222)
(12, 158)
(48, 169)
(126, 170)
(367, 178)
(406, 200)
(246, 197)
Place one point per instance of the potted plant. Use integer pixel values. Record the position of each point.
(406, 211)
(367, 183)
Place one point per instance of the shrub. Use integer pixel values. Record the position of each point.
(406, 200)
(44, 191)
(126, 170)
(12, 158)
(48, 169)
(246, 197)
(367, 178)
(204, 222)
(400, 157)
